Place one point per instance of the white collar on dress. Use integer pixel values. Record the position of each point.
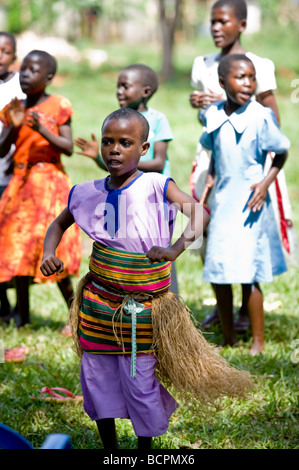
(239, 119)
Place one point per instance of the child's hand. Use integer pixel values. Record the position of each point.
(158, 254)
(256, 201)
(16, 111)
(199, 99)
(89, 148)
(50, 265)
(33, 120)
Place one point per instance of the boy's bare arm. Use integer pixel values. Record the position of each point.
(197, 223)
(51, 263)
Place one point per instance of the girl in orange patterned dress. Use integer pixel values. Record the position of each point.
(40, 128)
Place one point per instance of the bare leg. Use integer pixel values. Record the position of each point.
(107, 433)
(212, 318)
(5, 306)
(254, 299)
(224, 296)
(242, 323)
(22, 288)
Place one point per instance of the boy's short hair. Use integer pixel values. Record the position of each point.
(131, 115)
(11, 37)
(49, 60)
(147, 76)
(226, 62)
(239, 7)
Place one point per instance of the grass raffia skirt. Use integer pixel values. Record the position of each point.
(186, 361)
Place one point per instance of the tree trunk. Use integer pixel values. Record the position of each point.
(169, 11)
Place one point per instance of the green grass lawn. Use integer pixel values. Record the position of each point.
(269, 419)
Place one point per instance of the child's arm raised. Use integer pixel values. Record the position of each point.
(90, 148)
(62, 142)
(197, 224)
(51, 264)
(260, 189)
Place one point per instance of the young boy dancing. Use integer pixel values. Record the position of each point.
(130, 329)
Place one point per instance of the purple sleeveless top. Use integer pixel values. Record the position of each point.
(133, 218)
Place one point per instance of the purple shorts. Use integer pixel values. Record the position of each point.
(110, 392)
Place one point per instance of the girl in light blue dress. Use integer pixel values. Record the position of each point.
(243, 243)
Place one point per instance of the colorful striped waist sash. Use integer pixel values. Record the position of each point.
(115, 313)
(127, 272)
